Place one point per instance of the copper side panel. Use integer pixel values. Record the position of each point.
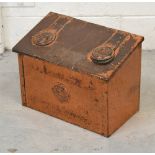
(124, 91)
(76, 98)
(22, 80)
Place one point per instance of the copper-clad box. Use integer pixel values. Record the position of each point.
(80, 72)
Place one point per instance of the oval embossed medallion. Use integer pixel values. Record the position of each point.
(43, 38)
(60, 91)
(102, 55)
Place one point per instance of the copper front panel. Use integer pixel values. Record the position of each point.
(76, 98)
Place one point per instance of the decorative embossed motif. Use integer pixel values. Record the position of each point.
(102, 55)
(43, 38)
(61, 92)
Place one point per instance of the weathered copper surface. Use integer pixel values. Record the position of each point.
(76, 98)
(85, 74)
(124, 91)
(75, 39)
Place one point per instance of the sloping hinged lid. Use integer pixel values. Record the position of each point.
(78, 45)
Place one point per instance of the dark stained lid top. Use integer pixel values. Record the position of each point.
(78, 45)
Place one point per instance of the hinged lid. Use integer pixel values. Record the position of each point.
(78, 45)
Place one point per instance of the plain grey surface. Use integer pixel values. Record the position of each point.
(26, 130)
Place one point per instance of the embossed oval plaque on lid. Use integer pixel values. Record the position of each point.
(102, 55)
(43, 38)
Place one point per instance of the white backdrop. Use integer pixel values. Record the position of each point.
(1, 40)
(139, 18)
